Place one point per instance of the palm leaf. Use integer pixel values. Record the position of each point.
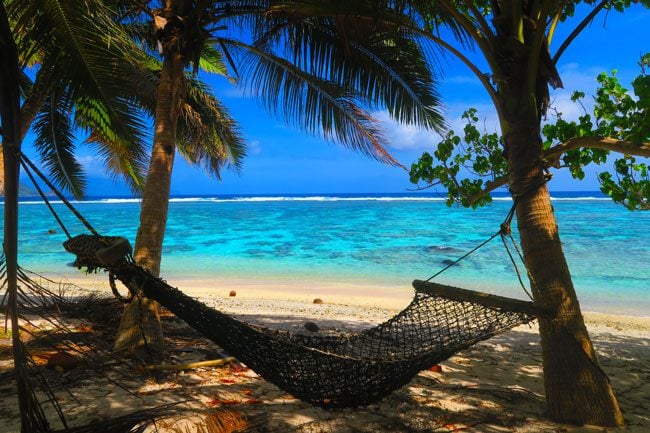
(207, 135)
(365, 52)
(90, 55)
(318, 106)
(212, 61)
(55, 143)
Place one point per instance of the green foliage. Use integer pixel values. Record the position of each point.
(477, 154)
(55, 144)
(212, 61)
(619, 115)
(322, 66)
(629, 185)
(461, 165)
(85, 60)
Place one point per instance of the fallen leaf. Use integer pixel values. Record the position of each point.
(218, 401)
(238, 368)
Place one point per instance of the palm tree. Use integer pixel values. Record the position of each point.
(320, 72)
(90, 75)
(78, 76)
(125, 88)
(111, 85)
(513, 38)
(48, 31)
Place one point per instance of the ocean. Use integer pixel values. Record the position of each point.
(385, 239)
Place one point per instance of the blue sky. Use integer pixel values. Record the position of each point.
(283, 160)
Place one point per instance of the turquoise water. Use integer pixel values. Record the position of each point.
(371, 240)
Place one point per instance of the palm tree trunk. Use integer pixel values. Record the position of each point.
(577, 389)
(28, 112)
(153, 215)
(31, 418)
(140, 325)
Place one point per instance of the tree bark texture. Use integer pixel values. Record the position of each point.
(140, 325)
(28, 112)
(31, 415)
(153, 215)
(577, 389)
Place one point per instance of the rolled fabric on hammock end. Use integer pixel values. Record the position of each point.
(96, 252)
(116, 251)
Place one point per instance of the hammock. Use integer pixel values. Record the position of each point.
(328, 371)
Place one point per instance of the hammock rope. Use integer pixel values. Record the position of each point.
(325, 370)
(334, 371)
(27, 165)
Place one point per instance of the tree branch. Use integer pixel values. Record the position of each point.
(580, 27)
(490, 186)
(605, 143)
(482, 77)
(552, 156)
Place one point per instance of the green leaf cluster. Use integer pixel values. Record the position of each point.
(618, 114)
(477, 154)
(465, 165)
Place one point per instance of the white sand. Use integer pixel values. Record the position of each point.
(496, 386)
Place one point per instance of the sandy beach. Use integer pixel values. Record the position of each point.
(495, 386)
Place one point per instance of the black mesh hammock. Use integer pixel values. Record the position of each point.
(328, 371)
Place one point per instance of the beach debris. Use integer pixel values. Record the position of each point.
(61, 361)
(232, 293)
(311, 327)
(189, 365)
(192, 379)
(318, 301)
(436, 368)
(223, 402)
(219, 421)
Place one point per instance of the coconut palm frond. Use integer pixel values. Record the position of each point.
(207, 134)
(318, 106)
(439, 15)
(92, 55)
(127, 162)
(43, 298)
(212, 61)
(362, 49)
(387, 69)
(136, 422)
(55, 143)
(84, 52)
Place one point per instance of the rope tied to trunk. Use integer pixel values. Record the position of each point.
(505, 231)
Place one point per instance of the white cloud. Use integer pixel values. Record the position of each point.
(253, 147)
(410, 137)
(405, 137)
(486, 113)
(574, 77)
(94, 166)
